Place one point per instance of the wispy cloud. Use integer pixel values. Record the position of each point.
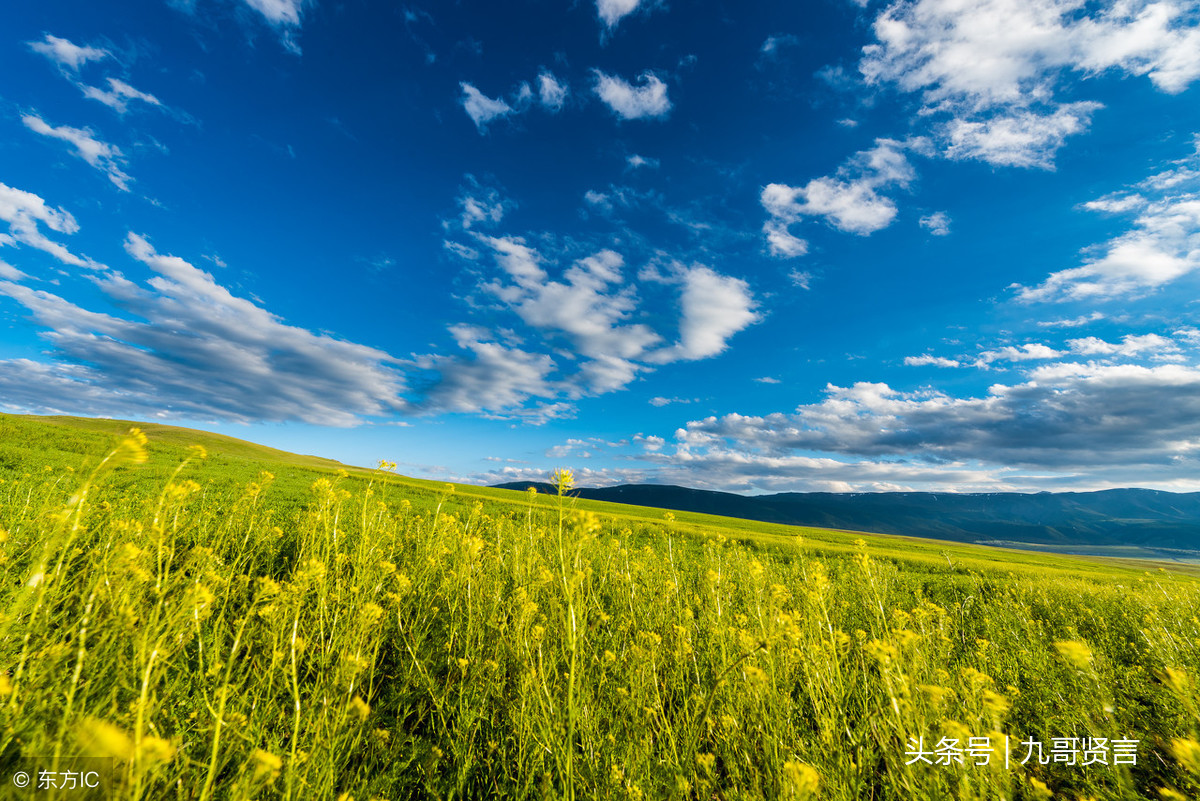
(118, 95)
(551, 93)
(101, 155)
(937, 223)
(282, 13)
(635, 161)
(66, 53)
(930, 360)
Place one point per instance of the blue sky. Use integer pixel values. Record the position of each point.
(748, 246)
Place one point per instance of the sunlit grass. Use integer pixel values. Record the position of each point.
(317, 634)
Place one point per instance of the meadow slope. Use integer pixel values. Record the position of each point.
(221, 620)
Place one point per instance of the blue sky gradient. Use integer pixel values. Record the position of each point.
(757, 247)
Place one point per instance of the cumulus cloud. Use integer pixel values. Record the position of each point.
(1082, 425)
(1066, 416)
(987, 71)
(849, 201)
(101, 155)
(25, 213)
(645, 100)
(590, 307)
(1162, 245)
(714, 307)
(597, 320)
(1130, 345)
(66, 53)
(189, 348)
(481, 108)
(118, 95)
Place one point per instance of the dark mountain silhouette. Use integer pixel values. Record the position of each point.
(1137, 517)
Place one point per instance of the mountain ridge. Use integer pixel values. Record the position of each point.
(1111, 517)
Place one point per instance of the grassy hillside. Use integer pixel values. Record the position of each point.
(228, 621)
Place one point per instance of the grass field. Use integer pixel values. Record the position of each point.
(222, 620)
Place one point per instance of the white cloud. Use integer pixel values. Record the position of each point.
(551, 93)
(101, 155)
(25, 212)
(661, 401)
(635, 161)
(1029, 352)
(781, 243)
(800, 278)
(10, 273)
(592, 316)
(1072, 322)
(1067, 416)
(930, 360)
(613, 11)
(995, 52)
(481, 205)
(1117, 203)
(768, 380)
(937, 223)
(590, 307)
(1130, 345)
(772, 44)
(850, 201)
(496, 377)
(598, 200)
(118, 95)
(191, 349)
(988, 70)
(280, 13)
(714, 307)
(481, 108)
(1162, 246)
(66, 53)
(1023, 139)
(633, 102)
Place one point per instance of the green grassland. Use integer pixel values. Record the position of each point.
(224, 620)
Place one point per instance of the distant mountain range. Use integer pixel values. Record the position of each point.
(1118, 517)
